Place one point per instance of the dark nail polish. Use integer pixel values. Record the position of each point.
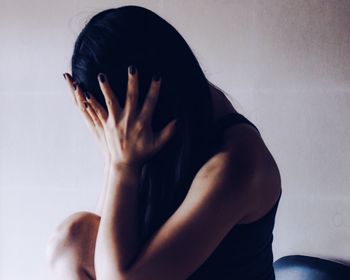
(87, 95)
(86, 105)
(75, 85)
(132, 69)
(102, 78)
(156, 76)
(64, 76)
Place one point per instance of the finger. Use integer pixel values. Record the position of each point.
(165, 134)
(151, 99)
(88, 119)
(69, 81)
(110, 98)
(79, 95)
(83, 105)
(98, 109)
(93, 116)
(132, 91)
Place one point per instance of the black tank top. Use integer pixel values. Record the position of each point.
(246, 251)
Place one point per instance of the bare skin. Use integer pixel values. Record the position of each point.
(266, 196)
(83, 239)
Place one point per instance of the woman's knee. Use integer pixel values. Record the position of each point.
(73, 238)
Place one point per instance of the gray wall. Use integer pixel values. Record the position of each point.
(285, 64)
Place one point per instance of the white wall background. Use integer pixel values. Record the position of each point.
(285, 63)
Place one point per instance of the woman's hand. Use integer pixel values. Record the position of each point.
(89, 116)
(128, 133)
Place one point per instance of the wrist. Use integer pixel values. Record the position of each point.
(128, 173)
(126, 165)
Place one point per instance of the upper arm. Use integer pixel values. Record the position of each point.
(216, 201)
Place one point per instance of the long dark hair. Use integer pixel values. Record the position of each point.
(116, 38)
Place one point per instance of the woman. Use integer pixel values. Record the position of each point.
(195, 200)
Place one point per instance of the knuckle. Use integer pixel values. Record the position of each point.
(141, 121)
(109, 101)
(132, 95)
(139, 124)
(98, 112)
(146, 112)
(147, 104)
(81, 101)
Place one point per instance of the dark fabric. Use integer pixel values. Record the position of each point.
(246, 251)
(298, 267)
(229, 120)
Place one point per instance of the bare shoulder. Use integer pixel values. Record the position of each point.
(224, 181)
(232, 176)
(244, 149)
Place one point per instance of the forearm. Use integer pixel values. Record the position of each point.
(118, 235)
(103, 191)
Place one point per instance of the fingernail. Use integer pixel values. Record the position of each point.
(86, 105)
(75, 85)
(156, 77)
(87, 95)
(102, 77)
(132, 69)
(64, 76)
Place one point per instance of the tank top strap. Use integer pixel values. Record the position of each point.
(229, 120)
